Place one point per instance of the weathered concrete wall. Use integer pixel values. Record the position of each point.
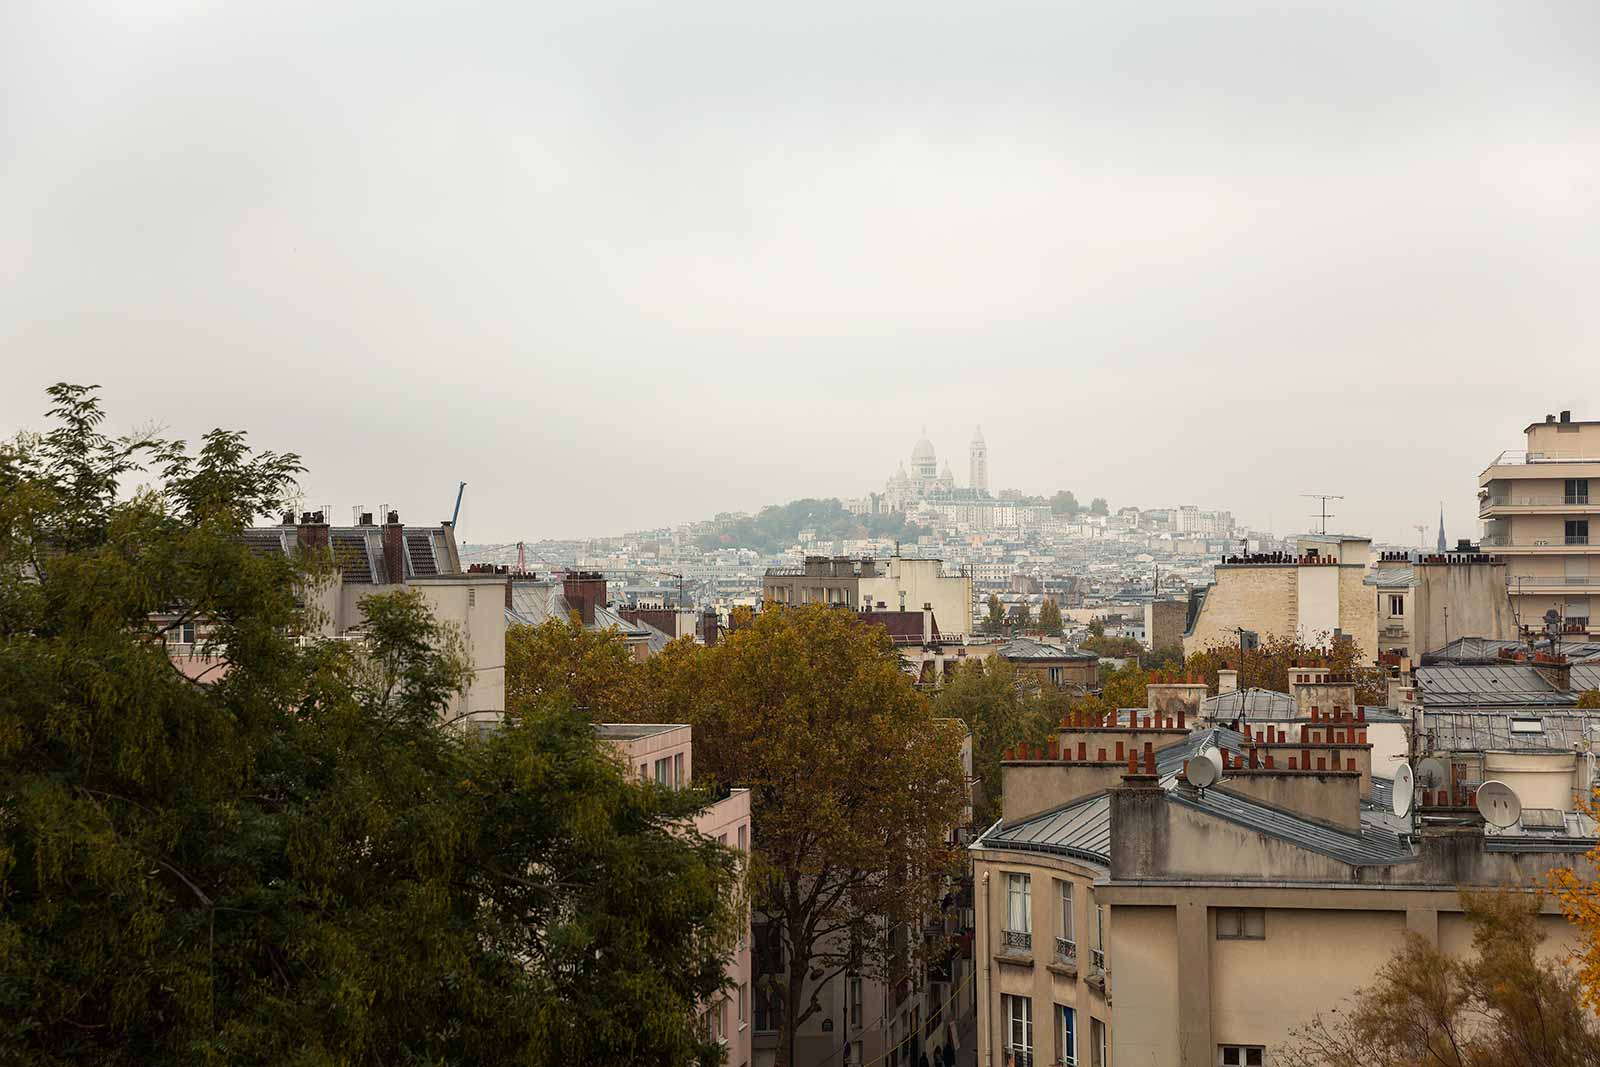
(1358, 609)
(1540, 779)
(1256, 597)
(1475, 596)
(1163, 622)
(1029, 787)
(1144, 978)
(1168, 698)
(1332, 797)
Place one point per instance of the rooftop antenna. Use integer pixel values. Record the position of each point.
(1323, 513)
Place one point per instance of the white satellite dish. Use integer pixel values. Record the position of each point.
(1498, 804)
(1431, 773)
(1405, 790)
(1204, 768)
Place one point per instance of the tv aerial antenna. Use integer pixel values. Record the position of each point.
(1323, 514)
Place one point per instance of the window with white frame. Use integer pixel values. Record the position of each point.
(1241, 924)
(1017, 1014)
(722, 1018)
(1241, 1055)
(1397, 604)
(1019, 912)
(664, 772)
(1099, 1054)
(678, 777)
(1066, 1036)
(744, 1005)
(856, 1001)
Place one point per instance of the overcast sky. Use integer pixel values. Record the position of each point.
(625, 266)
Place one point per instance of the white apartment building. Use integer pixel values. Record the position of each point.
(1537, 511)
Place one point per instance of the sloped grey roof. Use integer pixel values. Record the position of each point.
(1028, 648)
(1391, 578)
(1490, 685)
(536, 603)
(1375, 845)
(1464, 650)
(1081, 830)
(1251, 704)
(1490, 731)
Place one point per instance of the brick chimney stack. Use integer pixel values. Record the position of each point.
(394, 548)
(927, 624)
(1227, 681)
(312, 532)
(585, 590)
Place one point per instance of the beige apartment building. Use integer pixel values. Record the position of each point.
(664, 753)
(1537, 512)
(371, 558)
(1218, 919)
(898, 583)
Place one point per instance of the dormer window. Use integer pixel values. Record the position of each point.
(1527, 726)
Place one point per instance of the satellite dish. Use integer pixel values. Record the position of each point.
(1498, 805)
(1405, 790)
(1205, 768)
(1432, 774)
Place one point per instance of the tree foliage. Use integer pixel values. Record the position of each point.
(1268, 666)
(1589, 698)
(1098, 506)
(291, 862)
(1430, 1009)
(1579, 897)
(1002, 707)
(1125, 688)
(1064, 503)
(777, 526)
(997, 613)
(1050, 617)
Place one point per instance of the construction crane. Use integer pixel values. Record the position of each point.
(522, 558)
(462, 488)
(1422, 533)
(1323, 514)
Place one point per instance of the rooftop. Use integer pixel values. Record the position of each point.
(625, 731)
(1026, 648)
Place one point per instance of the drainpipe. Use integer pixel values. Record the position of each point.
(986, 1037)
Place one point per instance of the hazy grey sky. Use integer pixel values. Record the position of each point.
(626, 265)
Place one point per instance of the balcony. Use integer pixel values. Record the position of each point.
(1555, 544)
(1552, 584)
(1017, 940)
(1065, 958)
(1517, 504)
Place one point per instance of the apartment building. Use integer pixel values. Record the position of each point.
(1218, 918)
(369, 559)
(532, 600)
(1313, 594)
(664, 753)
(898, 583)
(1537, 511)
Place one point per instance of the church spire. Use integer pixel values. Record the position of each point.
(1443, 545)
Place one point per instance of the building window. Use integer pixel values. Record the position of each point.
(1018, 1015)
(1066, 937)
(769, 1013)
(722, 839)
(678, 776)
(1577, 491)
(1066, 1036)
(744, 1005)
(1099, 1055)
(1397, 604)
(744, 839)
(1241, 924)
(664, 772)
(856, 1002)
(1097, 951)
(1019, 913)
(186, 633)
(1241, 1055)
(722, 1018)
(1577, 531)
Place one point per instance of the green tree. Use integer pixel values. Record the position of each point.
(798, 705)
(591, 668)
(1097, 628)
(1098, 506)
(1125, 688)
(291, 862)
(1001, 707)
(1589, 698)
(1268, 666)
(1021, 617)
(1064, 503)
(1504, 1006)
(997, 613)
(1050, 617)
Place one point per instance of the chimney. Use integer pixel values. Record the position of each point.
(927, 624)
(1555, 670)
(1566, 416)
(1227, 681)
(584, 590)
(394, 548)
(708, 627)
(312, 532)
